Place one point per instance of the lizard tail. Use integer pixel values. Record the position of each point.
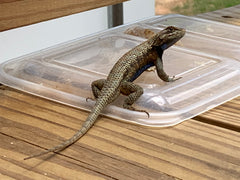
(85, 127)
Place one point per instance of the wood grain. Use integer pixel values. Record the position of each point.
(112, 148)
(16, 13)
(228, 15)
(226, 115)
(204, 148)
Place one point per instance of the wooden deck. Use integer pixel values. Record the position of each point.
(205, 147)
(15, 13)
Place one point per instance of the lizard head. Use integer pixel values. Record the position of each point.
(167, 37)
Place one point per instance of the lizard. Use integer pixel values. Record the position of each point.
(120, 79)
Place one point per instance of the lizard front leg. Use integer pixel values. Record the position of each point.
(133, 92)
(161, 73)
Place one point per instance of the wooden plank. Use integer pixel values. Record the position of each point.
(112, 149)
(15, 13)
(191, 150)
(228, 15)
(59, 167)
(89, 158)
(226, 115)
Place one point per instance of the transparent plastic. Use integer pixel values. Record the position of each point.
(207, 62)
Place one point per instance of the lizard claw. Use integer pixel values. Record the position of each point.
(173, 78)
(134, 109)
(140, 110)
(145, 112)
(89, 98)
(153, 68)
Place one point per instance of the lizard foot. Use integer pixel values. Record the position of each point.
(151, 69)
(173, 78)
(90, 98)
(134, 109)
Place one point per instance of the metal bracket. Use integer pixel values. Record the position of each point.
(115, 15)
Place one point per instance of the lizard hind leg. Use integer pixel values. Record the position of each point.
(133, 92)
(96, 88)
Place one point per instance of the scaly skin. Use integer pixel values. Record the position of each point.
(124, 72)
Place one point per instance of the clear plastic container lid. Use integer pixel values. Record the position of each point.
(207, 60)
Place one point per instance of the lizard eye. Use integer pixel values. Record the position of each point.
(172, 28)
